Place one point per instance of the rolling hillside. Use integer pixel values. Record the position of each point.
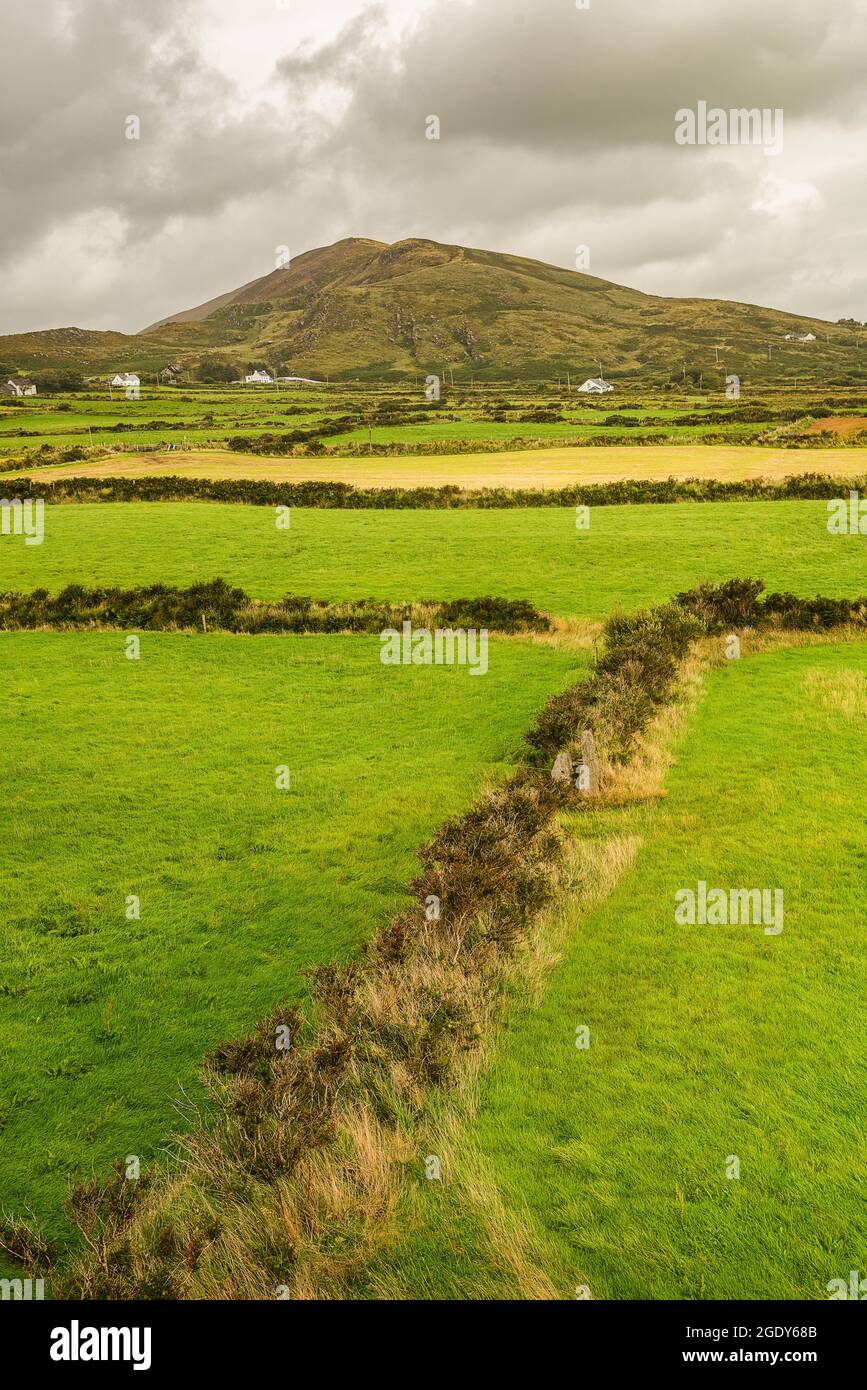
(366, 309)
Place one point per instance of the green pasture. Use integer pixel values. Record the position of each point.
(629, 556)
(155, 778)
(707, 1044)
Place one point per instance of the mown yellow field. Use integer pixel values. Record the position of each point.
(538, 468)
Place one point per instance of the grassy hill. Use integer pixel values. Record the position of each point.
(365, 309)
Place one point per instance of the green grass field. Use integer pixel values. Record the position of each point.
(347, 416)
(630, 555)
(156, 778)
(706, 1042)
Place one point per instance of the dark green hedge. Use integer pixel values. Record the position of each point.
(218, 606)
(252, 492)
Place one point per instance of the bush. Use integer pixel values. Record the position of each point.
(732, 604)
(737, 603)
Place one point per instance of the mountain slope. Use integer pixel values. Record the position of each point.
(364, 308)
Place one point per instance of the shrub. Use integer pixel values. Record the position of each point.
(732, 604)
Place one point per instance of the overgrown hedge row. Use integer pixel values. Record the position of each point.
(737, 603)
(254, 492)
(218, 606)
(46, 455)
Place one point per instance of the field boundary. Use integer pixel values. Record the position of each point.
(345, 496)
(217, 606)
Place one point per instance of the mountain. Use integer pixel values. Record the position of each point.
(366, 309)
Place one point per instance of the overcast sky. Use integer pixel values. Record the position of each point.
(298, 122)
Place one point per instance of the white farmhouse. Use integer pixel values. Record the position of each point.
(126, 379)
(19, 386)
(800, 338)
(596, 386)
(258, 379)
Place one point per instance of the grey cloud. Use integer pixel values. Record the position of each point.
(557, 129)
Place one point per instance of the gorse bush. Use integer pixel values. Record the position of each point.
(635, 672)
(732, 604)
(789, 611)
(738, 603)
(643, 651)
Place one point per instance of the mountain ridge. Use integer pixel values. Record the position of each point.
(369, 309)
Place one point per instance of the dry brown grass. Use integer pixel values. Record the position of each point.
(547, 467)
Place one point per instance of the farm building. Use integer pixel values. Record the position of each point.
(126, 379)
(19, 386)
(301, 380)
(596, 386)
(258, 379)
(800, 338)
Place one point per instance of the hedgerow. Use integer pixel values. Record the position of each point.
(218, 606)
(738, 603)
(261, 492)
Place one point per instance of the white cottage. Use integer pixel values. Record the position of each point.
(20, 386)
(258, 379)
(596, 386)
(126, 379)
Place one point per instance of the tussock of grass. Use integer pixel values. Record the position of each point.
(841, 692)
